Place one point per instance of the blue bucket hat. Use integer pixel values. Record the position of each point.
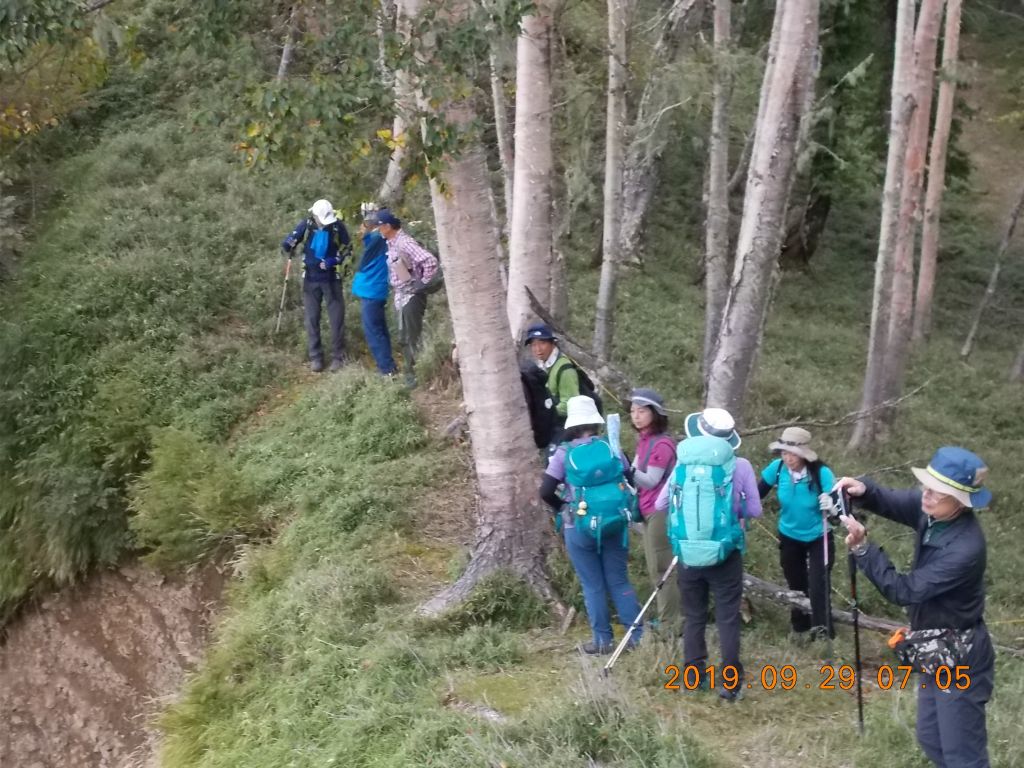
(958, 473)
(713, 422)
(539, 331)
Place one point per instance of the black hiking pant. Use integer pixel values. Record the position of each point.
(314, 293)
(803, 565)
(724, 582)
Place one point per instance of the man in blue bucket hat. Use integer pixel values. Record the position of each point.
(944, 594)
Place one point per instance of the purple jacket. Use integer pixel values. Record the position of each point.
(744, 489)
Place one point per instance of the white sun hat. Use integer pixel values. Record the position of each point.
(324, 212)
(582, 410)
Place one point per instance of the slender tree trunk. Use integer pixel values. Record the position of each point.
(993, 278)
(618, 25)
(509, 529)
(901, 318)
(786, 95)
(530, 241)
(901, 110)
(937, 175)
(390, 192)
(503, 133)
(716, 258)
(649, 133)
(289, 43)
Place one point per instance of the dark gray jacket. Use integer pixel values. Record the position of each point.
(945, 588)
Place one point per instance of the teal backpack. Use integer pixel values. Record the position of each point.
(604, 504)
(701, 524)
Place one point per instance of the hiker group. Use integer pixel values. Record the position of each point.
(391, 260)
(693, 501)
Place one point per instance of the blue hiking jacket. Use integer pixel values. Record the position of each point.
(371, 279)
(339, 247)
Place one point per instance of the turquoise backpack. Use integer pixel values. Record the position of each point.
(604, 504)
(701, 524)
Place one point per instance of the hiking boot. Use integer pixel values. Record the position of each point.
(596, 649)
(316, 366)
(731, 695)
(410, 381)
(337, 364)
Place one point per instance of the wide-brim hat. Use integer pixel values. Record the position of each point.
(649, 397)
(582, 410)
(958, 473)
(795, 440)
(713, 422)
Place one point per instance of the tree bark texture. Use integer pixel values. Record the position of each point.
(901, 110)
(1017, 370)
(716, 257)
(509, 527)
(937, 175)
(649, 135)
(786, 95)
(901, 317)
(530, 241)
(291, 32)
(615, 129)
(993, 278)
(503, 134)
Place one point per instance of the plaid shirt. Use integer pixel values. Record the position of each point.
(408, 262)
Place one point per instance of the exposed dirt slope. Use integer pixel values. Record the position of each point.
(82, 672)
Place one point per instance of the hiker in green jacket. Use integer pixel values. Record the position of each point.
(563, 378)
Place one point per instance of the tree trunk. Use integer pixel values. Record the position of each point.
(993, 279)
(937, 175)
(901, 110)
(901, 317)
(289, 44)
(559, 297)
(501, 129)
(530, 240)
(615, 129)
(786, 95)
(648, 134)
(716, 258)
(390, 192)
(509, 527)
(1017, 371)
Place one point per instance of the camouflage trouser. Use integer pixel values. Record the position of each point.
(951, 722)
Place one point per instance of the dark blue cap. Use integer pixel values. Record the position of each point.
(539, 331)
(384, 216)
(958, 473)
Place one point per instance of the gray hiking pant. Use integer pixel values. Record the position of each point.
(658, 553)
(314, 292)
(410, 328)
(725, 583)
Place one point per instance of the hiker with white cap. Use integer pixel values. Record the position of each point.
(652, 466)
(326, 244)
(944, 594)
(595, 513)
(711, 494)
(799, 477)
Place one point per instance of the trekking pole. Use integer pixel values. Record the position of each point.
(640, 616)
(855, 611)
(284, 293)
(828, 584)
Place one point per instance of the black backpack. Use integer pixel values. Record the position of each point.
(538, 402)
(586, 385)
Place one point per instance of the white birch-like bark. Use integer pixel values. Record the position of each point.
(615, 129)
(288, 51)
(503, 134)
(937, 175)
(786, 95)
(901, 111)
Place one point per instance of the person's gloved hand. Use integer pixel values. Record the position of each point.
(288, 245)
(631, 476)
(824, 502)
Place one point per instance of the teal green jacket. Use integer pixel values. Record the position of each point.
(563, 383)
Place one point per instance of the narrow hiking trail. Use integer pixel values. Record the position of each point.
(83, 671)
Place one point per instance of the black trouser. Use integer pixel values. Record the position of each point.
(795, 557)
(314, 292)
(725, 582)
(410, 328)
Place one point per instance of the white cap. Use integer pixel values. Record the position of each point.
(324, 212)
(582, 410)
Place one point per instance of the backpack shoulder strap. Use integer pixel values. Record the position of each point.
(650, 449)
(814, 470)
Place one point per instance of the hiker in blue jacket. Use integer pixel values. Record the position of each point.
(599, 564)
(370, 286)
(326, 244)
(944, 590)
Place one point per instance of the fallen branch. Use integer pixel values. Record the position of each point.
(790, 599)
